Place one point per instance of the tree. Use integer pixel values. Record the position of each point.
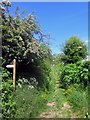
(74, 50)
(18, 37)
(23, 40)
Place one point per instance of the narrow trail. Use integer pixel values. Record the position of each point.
(53, 111)
(57, 108)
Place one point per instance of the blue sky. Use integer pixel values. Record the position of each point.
(59, 19)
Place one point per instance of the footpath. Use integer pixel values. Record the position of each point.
(57, 106)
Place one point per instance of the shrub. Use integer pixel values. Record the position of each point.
(37, 73)
(84, 72)
(75, 73)
(7, 103)
(69, 75)
(74, 50)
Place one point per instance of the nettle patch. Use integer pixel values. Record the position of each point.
(75, 73)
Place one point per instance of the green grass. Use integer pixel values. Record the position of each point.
(29, 102)
(77, 98)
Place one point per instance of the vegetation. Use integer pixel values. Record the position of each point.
(30, 101)
(7, 96)
(19, 42)
(74, 50)
(75, 73)
(54, 84)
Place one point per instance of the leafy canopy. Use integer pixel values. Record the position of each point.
(74, 50)
(23, 40)
(21, 37)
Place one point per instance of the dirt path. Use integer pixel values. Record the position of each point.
(53, 111)
(57, 106)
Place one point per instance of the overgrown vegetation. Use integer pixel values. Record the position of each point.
(74, 50)
(30, 101)
(33, 58)
(41, 76)
(75, 73)
(8, 105)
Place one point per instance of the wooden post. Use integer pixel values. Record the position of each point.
(13, 65)
(14, 74)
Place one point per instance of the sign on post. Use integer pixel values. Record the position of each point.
(14, 72)
(9, 66)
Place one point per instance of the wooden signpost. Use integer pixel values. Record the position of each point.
(13, 65)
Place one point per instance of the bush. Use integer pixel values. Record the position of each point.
(83, 70)
(74, 50)
(7, 103)
(37, 73)
(75, 73)
(69, 75)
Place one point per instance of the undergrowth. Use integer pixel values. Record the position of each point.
(30, 101)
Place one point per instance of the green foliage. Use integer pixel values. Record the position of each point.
(60, 98)
(21, 38)
(83, 72)
(69, 75)
(7, 95)
(77, 98)
(54, 75)
(37, 73)
(74, 50)
(29, 101)
(18, 39)
(43, 73)
(75, 73)
(23, 81)
(86, 69)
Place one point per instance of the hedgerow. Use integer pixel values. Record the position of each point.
(75, 73)
(7, 94)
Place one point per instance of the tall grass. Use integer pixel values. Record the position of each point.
(77, 98)
(29, 102)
